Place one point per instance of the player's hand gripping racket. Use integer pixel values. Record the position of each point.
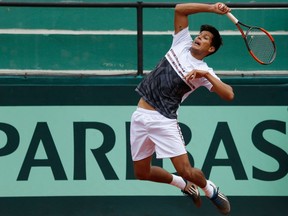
(258, 41)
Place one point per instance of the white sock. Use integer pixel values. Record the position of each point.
(178, 181)
(209, 189)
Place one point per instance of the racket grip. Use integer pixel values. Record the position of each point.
(232, 18)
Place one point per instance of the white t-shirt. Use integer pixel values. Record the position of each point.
(183, 62)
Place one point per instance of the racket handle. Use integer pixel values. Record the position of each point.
(232, 18)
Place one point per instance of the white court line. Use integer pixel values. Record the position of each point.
(111, 32)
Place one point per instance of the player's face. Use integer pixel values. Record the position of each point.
(202, 43)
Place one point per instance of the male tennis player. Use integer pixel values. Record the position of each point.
(154, 126)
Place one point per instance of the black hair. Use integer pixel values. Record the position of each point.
(217, 39)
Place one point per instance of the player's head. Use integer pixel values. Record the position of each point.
(216, 39)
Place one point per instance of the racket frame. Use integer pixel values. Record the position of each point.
(244, 36)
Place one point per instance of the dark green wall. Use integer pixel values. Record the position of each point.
(110, 52)
(142, 206)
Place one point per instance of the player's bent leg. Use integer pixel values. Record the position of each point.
(142, 168)
(186, 171)
(193, 177)
(144, 171)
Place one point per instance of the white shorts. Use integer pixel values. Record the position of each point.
(152, 132)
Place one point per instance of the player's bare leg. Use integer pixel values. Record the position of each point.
(144, 171)
(196, 176)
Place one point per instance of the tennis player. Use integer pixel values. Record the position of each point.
(154, 126)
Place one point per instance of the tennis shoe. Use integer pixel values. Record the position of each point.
(191, 190)
(220, 200)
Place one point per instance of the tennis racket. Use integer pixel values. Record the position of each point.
(258, 41)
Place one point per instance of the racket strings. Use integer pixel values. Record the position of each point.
(261, 45)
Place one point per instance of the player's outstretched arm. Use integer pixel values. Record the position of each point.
(182, 11)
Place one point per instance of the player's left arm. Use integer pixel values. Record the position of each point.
(224, 90)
